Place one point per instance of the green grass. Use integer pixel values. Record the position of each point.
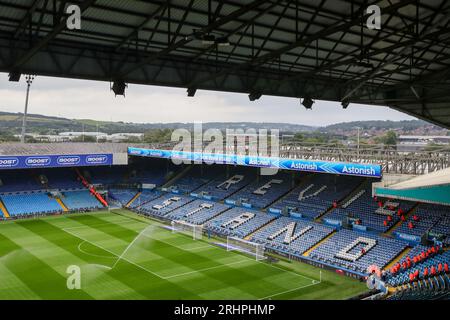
(124, 256)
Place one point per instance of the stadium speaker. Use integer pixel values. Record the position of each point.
(14, 76)
(208, 39)
(223, 42)
(254, 96)
(345, 104)
(307, 103)
(191, 92)
(119, 87)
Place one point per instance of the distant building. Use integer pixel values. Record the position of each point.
(417, 143)
(70, 136)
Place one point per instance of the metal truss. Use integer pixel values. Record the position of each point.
(293, 48)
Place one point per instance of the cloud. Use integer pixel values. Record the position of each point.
(92, 99)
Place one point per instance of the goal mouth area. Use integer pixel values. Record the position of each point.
(246, 247)
(194, 230)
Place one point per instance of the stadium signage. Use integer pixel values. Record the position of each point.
(9, 162)
(37, 161)
(97, 159)
(68, 160)
(352, 169)
(54, 161)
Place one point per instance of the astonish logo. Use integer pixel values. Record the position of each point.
(37, 161)
(9, 162)
(97, 159)
(68, 160)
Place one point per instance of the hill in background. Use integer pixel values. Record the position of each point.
(11, 123)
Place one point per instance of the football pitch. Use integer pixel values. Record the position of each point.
(123, 256)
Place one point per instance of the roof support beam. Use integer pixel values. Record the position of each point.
(27, 18)
(49, 37)
(444, 20)
(135, 32)
(298, 43)
(215, 24)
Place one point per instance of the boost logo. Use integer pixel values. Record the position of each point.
(68, 160)
(37, 161)
(97, 159)
(9, 162)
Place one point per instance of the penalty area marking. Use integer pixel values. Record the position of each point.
(100, 224)
(120, 257)
(114, 254)
(92, 254)
(315, 282)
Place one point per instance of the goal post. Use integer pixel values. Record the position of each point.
(193, 230)
(248, 247)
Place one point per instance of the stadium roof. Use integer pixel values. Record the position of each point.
(441, 177)
(430, 188)
(32, 149)
(316, 49)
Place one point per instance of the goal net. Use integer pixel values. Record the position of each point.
(251, 248)
(193, 230)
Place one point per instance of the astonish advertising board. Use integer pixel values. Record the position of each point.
(55, 161)
(341, 168)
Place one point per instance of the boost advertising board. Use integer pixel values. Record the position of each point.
(54, 161)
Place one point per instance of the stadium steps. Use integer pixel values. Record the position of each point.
(248, 237)
(177, 177)
(397, 259)
(345, 199)
(279, 198)
(308, 252)
(302, 183)
(4, 210)
(94, 192)
(61, 203)
(399, 222)
(133, 199)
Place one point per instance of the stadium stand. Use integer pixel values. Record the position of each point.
(238, 222)
(80, 200)
(291, 236)
(422, 262)
(29, 203)
(105, 175)
(263, 192)
(61, 179)
(196, 194)
(194, 179)
(164, 204)
(355, 251)
(428, 218)
(313, 198)
(223, 186)
(434, 288)
(158, 172)
(17, 181)
(124, 196)
(374, 213)
(198, 211)
(144, 197)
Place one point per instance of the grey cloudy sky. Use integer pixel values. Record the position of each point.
(79, 99)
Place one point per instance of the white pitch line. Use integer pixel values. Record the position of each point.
(91, 254)
(292, 290)
(195, 271)
(116, 255)
(100, 224)
(288, 271)
(205, 269)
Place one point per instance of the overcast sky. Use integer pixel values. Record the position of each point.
(77, 99)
